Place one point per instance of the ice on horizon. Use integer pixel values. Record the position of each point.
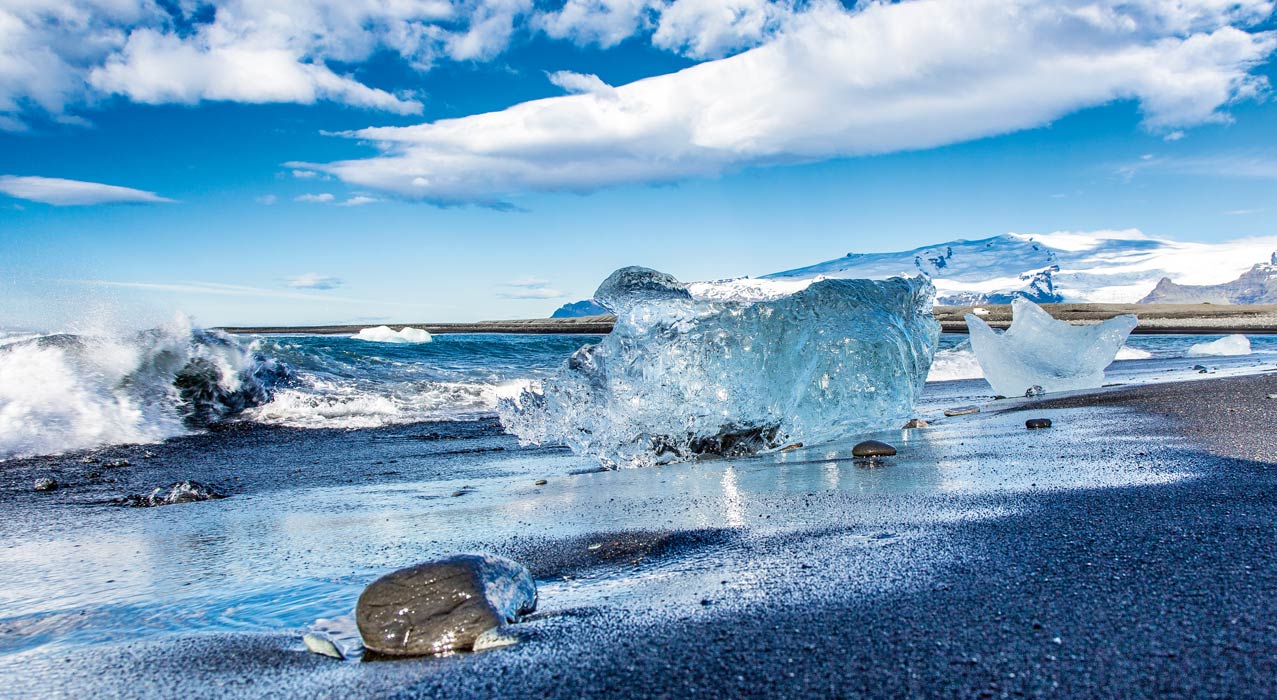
(681, 377)
(384, 334)
(1228, 346)
(1038, 350)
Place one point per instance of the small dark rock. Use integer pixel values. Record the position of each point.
(181, 492)
(872, 448)
(540, 482)
(1037, 423)
(915, 423)
(443, 605)
(1200, 368)
(46, 484)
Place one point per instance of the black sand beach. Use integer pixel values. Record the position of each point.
(1161, 588)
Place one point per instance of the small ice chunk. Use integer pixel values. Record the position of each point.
(679, 377)
(384, 334)
(1226, 346)
(1038, 350)
(633, 285)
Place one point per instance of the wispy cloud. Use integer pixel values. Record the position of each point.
(217, 289)
(330, 198)
(1250, 165)
(528, 288)
(314, 280)
(1244, 212)
(267, 199)
(61, 192)
(358, 200)
(321, 198)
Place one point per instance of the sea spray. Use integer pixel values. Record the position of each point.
(63, 392)
(681, 377)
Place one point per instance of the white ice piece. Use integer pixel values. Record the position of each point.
(1226, 346)
(1039, 350)
(680, 377)
(384, 334)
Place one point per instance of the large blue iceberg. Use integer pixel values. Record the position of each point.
(1038, 350)
(681, 377)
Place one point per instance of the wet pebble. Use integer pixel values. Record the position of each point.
(320, 644)
(540, 482)
(961, 411)
(1037, 423)
(873, 448)
(443, 605)
(46, 484)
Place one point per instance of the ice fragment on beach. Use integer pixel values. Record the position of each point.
(1039, 350)
(384, 334)
(1226, 346)
(680, 377)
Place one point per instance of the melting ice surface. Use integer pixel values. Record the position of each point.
(681, 377)
(1227, 346)
(1038, 350)
(384, 334)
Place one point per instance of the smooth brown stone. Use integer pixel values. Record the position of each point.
(873, 448)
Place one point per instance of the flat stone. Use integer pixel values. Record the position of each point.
(916, 423)
(961, 411)
(540, 482)
(319, 644)
(873, 448)
(794, 446)
(443, 605)
(46, 484)
(1037, 423)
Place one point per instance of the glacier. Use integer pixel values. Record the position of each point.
(1038, 350)
(683, 376)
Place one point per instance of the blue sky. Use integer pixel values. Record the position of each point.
(513, 160)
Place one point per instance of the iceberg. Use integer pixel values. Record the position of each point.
(1038, 350)
(1226, 346)
(384, 334)
(684, 376)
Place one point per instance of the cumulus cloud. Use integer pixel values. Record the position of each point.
(881, 78)
(580, 83)
(528, 288)
(60, 192)
(314, 280)
(59, 56)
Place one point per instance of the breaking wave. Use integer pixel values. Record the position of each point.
(62, 392)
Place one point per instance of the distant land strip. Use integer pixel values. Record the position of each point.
(1192, 319)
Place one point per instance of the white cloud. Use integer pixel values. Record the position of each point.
(1244, 212)
(60, 192)
(578, 83)
(358, 200)
(528, 288)
(305, 174)
(603, 23)
(314, 280)
(267, 199)
(838, 83)
(1254, 165)
(322, 198)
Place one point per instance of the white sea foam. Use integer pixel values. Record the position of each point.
(320, 403)
(954, 363)
(384, 334)
(1127, 352)
(61, 393)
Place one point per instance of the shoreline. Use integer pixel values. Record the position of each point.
(1148, 571)
(1155, 319)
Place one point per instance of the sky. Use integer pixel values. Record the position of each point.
(383, 161)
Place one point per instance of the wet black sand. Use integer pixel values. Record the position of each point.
(1154, 590)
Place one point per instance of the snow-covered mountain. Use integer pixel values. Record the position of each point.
(1258, 285)
(1119, 267)
(1101, 266)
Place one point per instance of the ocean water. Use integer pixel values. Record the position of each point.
(64, 393)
